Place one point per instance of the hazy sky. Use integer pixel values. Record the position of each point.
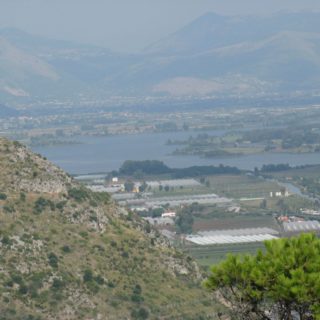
(126, 25)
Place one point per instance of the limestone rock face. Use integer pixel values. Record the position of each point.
(24, 170)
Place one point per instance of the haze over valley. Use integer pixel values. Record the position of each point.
(213, 56)
(160, 160)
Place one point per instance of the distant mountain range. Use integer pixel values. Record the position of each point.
(213, 55)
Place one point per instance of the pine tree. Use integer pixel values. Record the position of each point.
(280, 283)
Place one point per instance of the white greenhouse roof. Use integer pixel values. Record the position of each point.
(229, 239)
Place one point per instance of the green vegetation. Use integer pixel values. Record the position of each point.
(41, 204)
(311, 185)
(3, 196)
(184, 219)
(78, 194)
(155, 167)
(274, 167)
(306, 178)
(128, 186)
(53, 260)
(291, 139)
(278, 283)
(130, 167)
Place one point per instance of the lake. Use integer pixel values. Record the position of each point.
(104, 154)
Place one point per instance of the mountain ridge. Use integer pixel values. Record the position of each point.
(281, 51)
(232, 29)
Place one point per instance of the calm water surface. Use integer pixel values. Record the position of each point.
(104, 154)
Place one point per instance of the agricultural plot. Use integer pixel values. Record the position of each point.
(306, 179)
(175, 183)
(307, 172)
(231, 221)
(177, 187)
(212, 254)
(175, 201)
(242, 186)
(245, 234)
(291, 204)
(178, 191)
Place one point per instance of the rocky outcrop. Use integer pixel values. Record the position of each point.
(69, 253)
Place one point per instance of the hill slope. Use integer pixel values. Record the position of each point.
(213, 55)
(212, 31)
(236, 55)
(67, 253)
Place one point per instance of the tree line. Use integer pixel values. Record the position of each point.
(156, 167)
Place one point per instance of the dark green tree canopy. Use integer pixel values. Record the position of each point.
(280, 283)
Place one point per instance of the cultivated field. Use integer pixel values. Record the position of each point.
(235, 222)
(241, 186)
(308, 172)
(212, 254)
(207, 255)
